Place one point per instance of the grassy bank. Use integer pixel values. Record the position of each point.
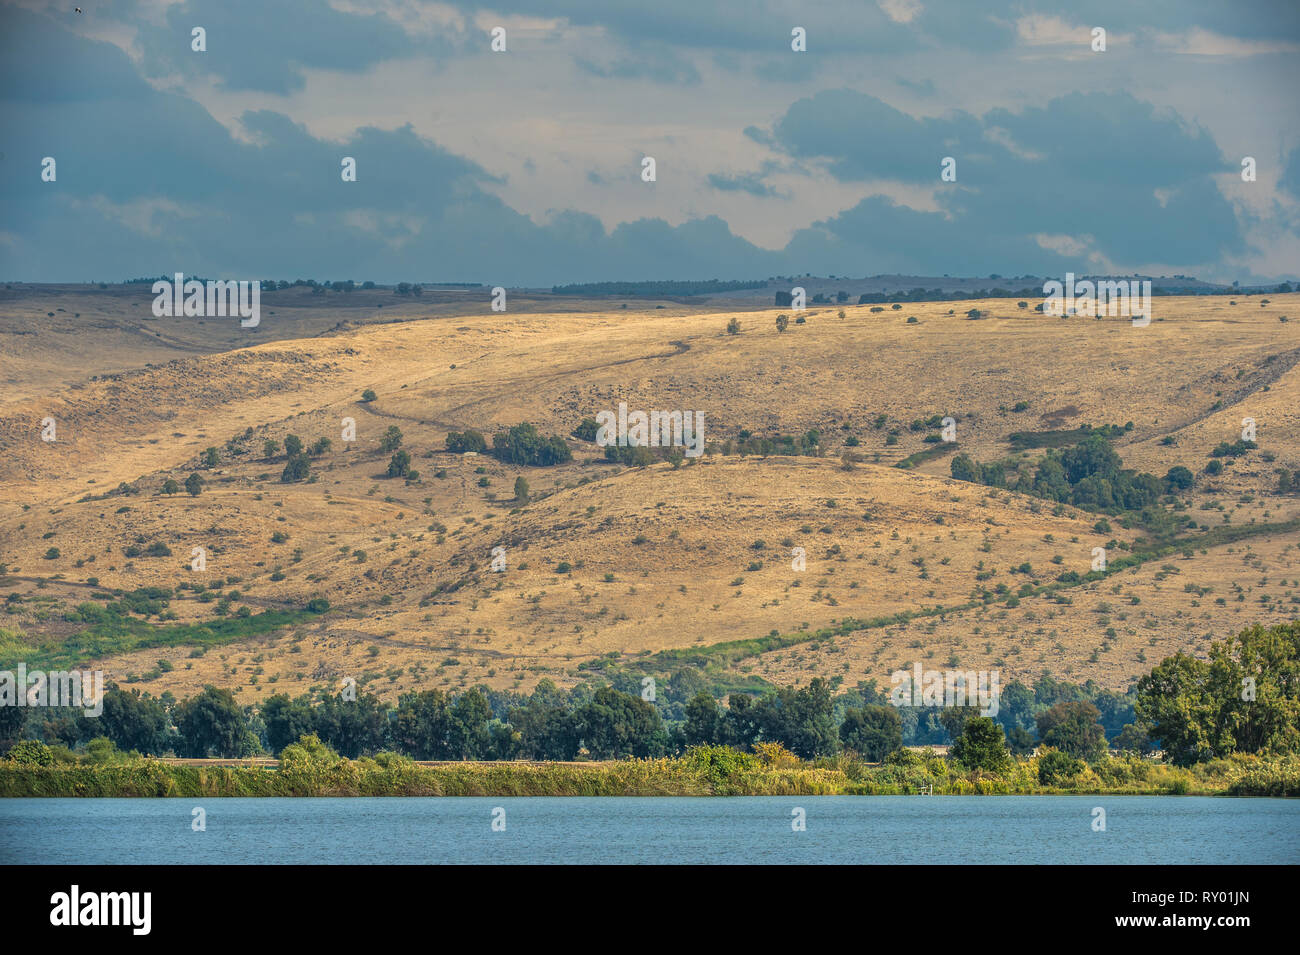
(702, 772)
(115, 635)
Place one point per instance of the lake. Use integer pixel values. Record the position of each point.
(838, 829)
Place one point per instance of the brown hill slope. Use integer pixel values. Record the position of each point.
(659, 558)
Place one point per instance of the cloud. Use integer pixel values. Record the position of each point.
(1291, 174)
(1108, 165)
(255, 45)
(150, 182)
(751, 183)
(862, 137)
(900, 11)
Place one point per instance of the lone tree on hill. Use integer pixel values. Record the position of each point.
(400, 465)
(297, 469)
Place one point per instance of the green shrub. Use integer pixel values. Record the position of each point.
(1056, 768)
(30, 752)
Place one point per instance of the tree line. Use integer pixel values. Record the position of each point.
(1245, 698)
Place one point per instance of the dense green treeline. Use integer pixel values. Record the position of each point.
(1245, 699)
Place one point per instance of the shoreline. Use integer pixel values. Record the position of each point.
(681, 776)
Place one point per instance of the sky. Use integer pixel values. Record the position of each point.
(524, 167)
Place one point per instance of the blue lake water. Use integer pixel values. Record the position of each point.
(839, 829)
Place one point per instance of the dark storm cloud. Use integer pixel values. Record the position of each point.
(261, 45)
(1107, 166)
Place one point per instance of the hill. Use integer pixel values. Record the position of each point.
(645, 568)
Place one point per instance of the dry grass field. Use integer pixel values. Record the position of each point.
(658, 557)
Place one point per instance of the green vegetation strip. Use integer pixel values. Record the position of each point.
(929, 454)
(1027, 440)
(115, 636)
(704, 771)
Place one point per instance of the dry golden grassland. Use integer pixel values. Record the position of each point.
(660, 558)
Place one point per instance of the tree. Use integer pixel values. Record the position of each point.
(270, 448)
(1020, 741)
(297, 468)
(211, 458)
(544, 727)
(1178, 478)
(12, 719)
(1055, 767)
(194, 484)
(963, 468)
(473, 441)
(704, 721)
(521, 490)
(321, 446)
(872, 731)
(213, 724)
(523, 446)
(421, 726)
(953, 719)
(782, 323)
(392, 439)
(1253, 681)
(134, 722)
(636, 457)
(982, 745)
(802, 720)
(468, 732)
(368, 395)
(742, 720)
(170, 486)
(1173, 700)
(293, 445)
(1091, 457)
(400, 465)
(352, 727)
(286, 720)
(615, 725)
(733, 326)
(1072, 727)
(1133, 738)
